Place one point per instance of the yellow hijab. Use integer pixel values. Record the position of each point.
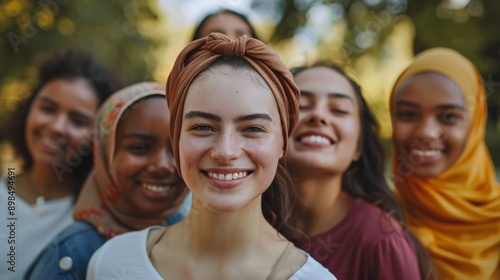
(457, 214)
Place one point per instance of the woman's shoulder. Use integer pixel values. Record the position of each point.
(68, 253)
(124, 255)
(312, 270)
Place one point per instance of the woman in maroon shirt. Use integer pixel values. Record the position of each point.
(346, 208)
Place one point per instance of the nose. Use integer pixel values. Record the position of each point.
(226, 148)
(58, 124)
(162, 164)
(429, 129)
(317, 117)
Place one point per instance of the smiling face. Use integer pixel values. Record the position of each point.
(327, 135)
(231, 138)
(143, 165)
(60, 120)
(226, 23)
(430, 123)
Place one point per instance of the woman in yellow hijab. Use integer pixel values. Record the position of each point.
(444, 175)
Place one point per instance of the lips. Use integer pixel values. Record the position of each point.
(156, 188)
(52, 147)
(315, 139)
(426, 156)
(226, 178)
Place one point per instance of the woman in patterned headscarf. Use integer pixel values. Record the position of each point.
(134, 183)
(233, 105)
(443, 172)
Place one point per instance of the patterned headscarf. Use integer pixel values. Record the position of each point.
(199, 54)
(100, 200)
(457, 214)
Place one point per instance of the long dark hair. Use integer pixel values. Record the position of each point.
(279, 199)
(70, 64)
(365, 178)
(197, 31)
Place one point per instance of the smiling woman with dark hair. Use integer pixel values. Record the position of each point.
(228, 22)
(50, 132)
(346, 208)
(134, 184)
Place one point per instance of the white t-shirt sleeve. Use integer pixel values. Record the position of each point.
(123, 257)
(312, 270)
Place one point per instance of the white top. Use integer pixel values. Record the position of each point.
(33, 227)
(125, 257)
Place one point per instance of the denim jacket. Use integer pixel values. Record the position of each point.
(68, 254)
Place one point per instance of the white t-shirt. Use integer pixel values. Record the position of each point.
(125, 257)
(29, 229)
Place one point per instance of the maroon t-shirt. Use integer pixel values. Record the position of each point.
(366, 244)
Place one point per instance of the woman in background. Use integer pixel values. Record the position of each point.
(346, 208)
(50, 132)
(134, 185)
(228, 22)
(444, 175)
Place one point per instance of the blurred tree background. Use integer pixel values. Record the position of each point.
(469, 26)
(369, 36)
(120, 34)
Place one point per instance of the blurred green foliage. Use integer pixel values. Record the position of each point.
(119, 33)
(471, 28)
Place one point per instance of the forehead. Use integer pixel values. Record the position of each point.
(224, 89)
(225, 20)
(323, 81)
(145, 114)
(69, 91)
(430, 88)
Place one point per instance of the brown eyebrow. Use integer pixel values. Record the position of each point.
(139, 135)
(330, 95)
(79, 114)
(200, 114)
(205, 115)
(253, 117)
(441, 107)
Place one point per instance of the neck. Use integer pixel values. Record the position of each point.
(42, 181)
(220, 234)
(323, 204)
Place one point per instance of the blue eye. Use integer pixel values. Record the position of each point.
(253, 129)
(202, 127)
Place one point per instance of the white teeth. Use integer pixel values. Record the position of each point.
(50, 143)
(425, 153)
(156, 188)
(315, 139)
(228, 176)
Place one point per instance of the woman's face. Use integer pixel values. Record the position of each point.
(59, 122)
(430, 124)
(231, 139)
(143, 165)
(326, 139)
(226, 23)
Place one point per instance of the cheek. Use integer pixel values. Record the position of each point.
(126, 166)
(401, 132)
(458, 139)
(79, 134)
(190, 152)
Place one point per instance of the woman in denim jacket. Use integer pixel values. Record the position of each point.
(134, 183)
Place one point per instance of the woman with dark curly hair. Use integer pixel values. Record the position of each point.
(50, 131)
